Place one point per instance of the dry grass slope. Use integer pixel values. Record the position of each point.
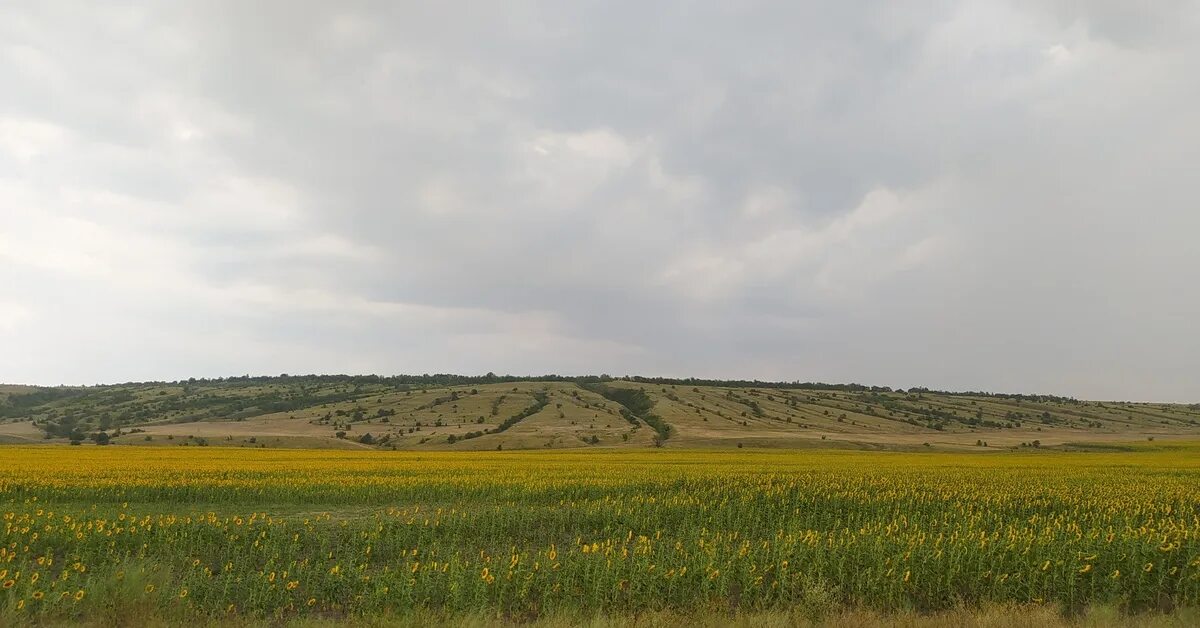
(352, 414)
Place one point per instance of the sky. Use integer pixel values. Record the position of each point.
(996, 196)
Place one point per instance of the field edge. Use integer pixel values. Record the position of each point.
(989, 616)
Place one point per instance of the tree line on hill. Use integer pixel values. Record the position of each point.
(41, 395)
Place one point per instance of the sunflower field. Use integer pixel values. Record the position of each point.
(211, 532)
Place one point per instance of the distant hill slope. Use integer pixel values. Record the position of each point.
(453, 412)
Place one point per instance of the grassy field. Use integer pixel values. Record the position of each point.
(120, 535)
(449, 413)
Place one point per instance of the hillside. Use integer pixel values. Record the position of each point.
(487, 413)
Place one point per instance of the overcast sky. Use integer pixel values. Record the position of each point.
(965, 195)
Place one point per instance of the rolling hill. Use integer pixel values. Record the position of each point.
(447, 412)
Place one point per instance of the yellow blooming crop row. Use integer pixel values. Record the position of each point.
(279, 533)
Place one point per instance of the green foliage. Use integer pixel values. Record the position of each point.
(636, 405)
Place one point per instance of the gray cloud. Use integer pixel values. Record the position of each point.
(976, 195)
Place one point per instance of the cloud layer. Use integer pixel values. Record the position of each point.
(978, 195)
